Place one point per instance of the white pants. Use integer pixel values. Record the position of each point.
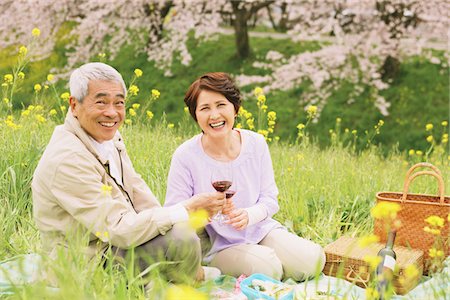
(279, 255)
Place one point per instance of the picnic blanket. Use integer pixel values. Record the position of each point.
(23, 270)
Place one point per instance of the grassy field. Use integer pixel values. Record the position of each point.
(323, 194)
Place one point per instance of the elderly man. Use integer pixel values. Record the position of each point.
(85, 182)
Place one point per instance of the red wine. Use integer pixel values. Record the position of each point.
(229, 194)
(385, 270)
(221, 186)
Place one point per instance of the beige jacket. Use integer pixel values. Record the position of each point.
(69, 195)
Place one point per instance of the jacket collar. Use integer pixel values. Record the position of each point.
(72, 125)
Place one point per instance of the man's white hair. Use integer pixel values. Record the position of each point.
(79, 79)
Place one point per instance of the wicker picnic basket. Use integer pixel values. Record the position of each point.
(345, 260)
(415, 208)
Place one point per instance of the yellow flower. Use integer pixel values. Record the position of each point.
(368, 240)
(300, 126)
(311, 110)
(354, 131)
(271, 116)
(30, 107)
(138, 72)
(21, 75)
(170, 125)
(444, 123)
(429, 127)
(23, 50)
(46, 87)
(38, 108)
(411, 271)
(435, 221)
(62, 108)
(419, 153)
(50, 77)
(261, 99)
(136, 105)
(258, 91)
(338, 120)
(8, 78)
(372, 260)
(106, 189)
(411, 152)
(37, 87)
(6, 100)
(35, 32)
(429, 138)
(433, 252)
(52, 112)
(432, 230)
(198, 219)
(40, 118)
(149, 115)
(133, 90)
(264, 107)
(101, 54)
(132, 112)
(65, 96)
(177, 292)
(263, 132)
(445, 138)
(385, 210)
(371, 293)
(186, 109)
(128, 121)
(380, 123)
(155, 94)
(238, 125)
(25, 113)
(271, 123)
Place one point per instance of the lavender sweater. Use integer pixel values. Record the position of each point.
(190, 174)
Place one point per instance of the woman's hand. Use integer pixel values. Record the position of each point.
(228, 206)
(238, 219)
(211, 202)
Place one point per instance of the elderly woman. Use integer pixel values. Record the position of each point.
(250, 241)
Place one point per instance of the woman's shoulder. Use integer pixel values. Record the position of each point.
(253, 138)
(188, 146)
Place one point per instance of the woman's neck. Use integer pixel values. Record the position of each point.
(222, 149)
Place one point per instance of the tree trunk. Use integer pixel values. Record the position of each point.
(241, 30)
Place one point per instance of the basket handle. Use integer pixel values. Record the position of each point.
(438, 176)
(356, 277)
(422, 165)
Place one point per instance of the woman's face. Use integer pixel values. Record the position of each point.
(215, 114)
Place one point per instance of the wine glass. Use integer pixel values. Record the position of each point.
(221, 180)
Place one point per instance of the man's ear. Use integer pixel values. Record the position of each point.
(73, 105)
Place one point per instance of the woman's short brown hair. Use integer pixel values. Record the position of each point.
(218, 82)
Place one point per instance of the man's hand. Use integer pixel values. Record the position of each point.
(238, 219)
(211, 202)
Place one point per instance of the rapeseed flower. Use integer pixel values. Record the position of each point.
(300, 126)
(433, 231)
(132, 112)
(311, 110)
(372, 293)
(65, 96)
(429, 138)
(35, 32)
(52, 112)
(338, 120)
(23, 50)
(50, 77)
(411, 152)
(138, 72)
(62, 108)
(155, 94)
(149, 115)
(135, 105)
(368, 240)
(170, 125)
(5, 100)
(419, 153)
(429, 127)
(433, 252)
(176, 292)
(198, 219)
(21, 75)
(385, 210)
(37, 87)
(186, 110)
(372, 261)
(128, 121)
(435, 221)
(444, 123)
(8, 78)
(257, 91)
(40, 119)
(133, 90)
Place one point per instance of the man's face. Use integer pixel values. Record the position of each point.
(102, 111)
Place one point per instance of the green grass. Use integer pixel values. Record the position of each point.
(324, 193)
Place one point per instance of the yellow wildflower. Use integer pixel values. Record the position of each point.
(261, 99)
(31, 107)
(138, 72)
(368, 240)
(300, 126)
(354, 131)
(338, 120)
(311, 110)
(371, 293)
(40, 118)
(50, 77)
(46, 87)
(170, 125)
(62, 108)
(445, 138)
(149, 115)
(186, 109)
(432, 230)
(419, 153)
(429, 127)
(98, 234)
(132, 112)
(238, 125)
(23, 50)
(52, 112)
(8, 78)
(264, 107)
(38, 108)
(271, 116)
(133, 90)
(411, 152)
(411, 271)
(444, 123)
(433, 252)
(25, 113)
(385, 210)
(435, 221)
(177, 292)
(380, 123)
(21, 75)
(6, 100)
(65, 96)
(271, 123)
(155, 94)
(35, 32)
(429, 138)
(372, 260)
(136, 105)
(37, 87)
(128, 121)
(198, 219)
(346, 130)
(263, 132)
(258, 91)
(106, 189)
